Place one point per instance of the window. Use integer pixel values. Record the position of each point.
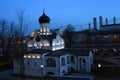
(34, 63)
(68, 59)
(50, 62)
(28, 62)
(29, 56)
(38, 56)
(72, 59)
(63, 61)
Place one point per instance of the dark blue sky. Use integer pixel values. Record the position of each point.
(61, 12)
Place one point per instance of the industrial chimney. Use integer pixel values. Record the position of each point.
(106, 21)
(89, 25)
(95, 23)
(100, 20)
(114, 20)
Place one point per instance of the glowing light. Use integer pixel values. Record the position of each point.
(41, 65)
(25, 56)
(29, 56)
(33, 56)
(53, 49)
(48, 33)
(38, 56)
(114, 36)
(41, 30)
(44, 30)
(36, 47)
(30, 45)
(99, 65)
(53, 44)
(115, 50)
(35, 44)
(106, 36)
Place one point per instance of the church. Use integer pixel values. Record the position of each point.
(46, 54)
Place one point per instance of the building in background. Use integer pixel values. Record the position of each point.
(105, 39)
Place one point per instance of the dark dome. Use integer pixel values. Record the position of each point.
(44, 18)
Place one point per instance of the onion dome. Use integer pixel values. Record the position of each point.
(44, 18)
(38, 38)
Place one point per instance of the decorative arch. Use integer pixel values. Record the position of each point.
(50, 62)
(73, 59)
(82, 63)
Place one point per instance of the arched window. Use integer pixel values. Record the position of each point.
(50, 62)
(82, 63)
(68, 59)
(63, 61)
(72, 59)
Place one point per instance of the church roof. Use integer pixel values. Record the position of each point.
(59, 53)
(44, 18)
(38, 51)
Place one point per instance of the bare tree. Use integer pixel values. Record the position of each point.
(19, 38)
(6, 33)
(68, 35)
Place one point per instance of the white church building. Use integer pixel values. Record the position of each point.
(46, 54)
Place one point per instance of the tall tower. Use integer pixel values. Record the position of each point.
(44, 21)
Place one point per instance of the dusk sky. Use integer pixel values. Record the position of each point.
(61, 12)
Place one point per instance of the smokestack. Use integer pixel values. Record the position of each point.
(89, 26)
(100, 20)
(114, 20)
(95, 23)
(106, 21)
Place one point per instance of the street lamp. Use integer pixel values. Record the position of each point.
(99, 66)
(41, 66)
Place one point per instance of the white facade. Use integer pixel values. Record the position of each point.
(54, 65)
(56, 44)
(45, 29)
(56, 61)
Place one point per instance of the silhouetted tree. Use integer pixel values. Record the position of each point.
(6, 33)
(68, 35)
(19, 35)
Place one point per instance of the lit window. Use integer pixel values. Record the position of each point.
(48, 33)
(35, 44)
(38, 56)
(53, 49)
(29, 45)
(29, 56)
(25, 56)
(33, 56)
(41, 30)
(44, 30)
(43, 33)
(53, 44)
(106, 36)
